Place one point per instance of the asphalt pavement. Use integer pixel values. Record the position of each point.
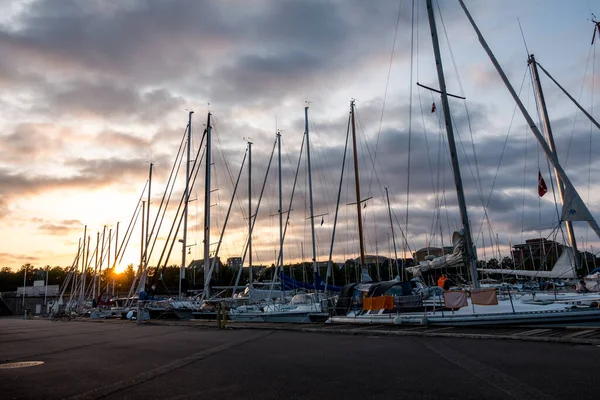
(124, 360)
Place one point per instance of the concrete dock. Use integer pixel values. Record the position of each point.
(126, 360)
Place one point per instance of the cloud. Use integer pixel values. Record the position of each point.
(15, 258)
(61, 228)
(96, 90)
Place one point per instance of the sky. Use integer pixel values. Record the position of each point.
(93, 92)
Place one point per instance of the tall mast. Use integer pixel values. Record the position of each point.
(101, 261)
(357, 187)
(561, 187)
(280, 203)
(573, 199)
(207, 210)
(393, 236)
(83, 266)
(141, 269)
(310, 192)
(108, 262)
(186, 201)
(148, 218)
(249, 213)
(471, 254)
(95, 265)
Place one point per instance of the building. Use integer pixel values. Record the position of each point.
(234, 262)
(538, 254)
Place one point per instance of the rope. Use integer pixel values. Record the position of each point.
(387, 83)
(412, 43)
(587, 227)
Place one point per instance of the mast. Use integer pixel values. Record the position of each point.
(101, 261)
(357, 187)
(207, 209)
(83, 266)
(471, 254)
(141, 269)
(573, 199)
(108, 262)
(212, 266)
(393, 236)
(186, 201)
(148, 218)
(280, 204)
(95, 265)
(249, 213)
(310, 193)
(561, 187)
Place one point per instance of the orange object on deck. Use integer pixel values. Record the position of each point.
(442, 281)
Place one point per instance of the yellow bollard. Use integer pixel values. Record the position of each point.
(224, 315)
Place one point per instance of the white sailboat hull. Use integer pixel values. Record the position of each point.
(501, 314)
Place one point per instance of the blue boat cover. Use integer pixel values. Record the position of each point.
(290, 283)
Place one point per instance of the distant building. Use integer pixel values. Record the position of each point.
(537, 254)
(198, 265)
(234, 262)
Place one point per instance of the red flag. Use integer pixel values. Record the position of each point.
(542, 188)
(433, 107)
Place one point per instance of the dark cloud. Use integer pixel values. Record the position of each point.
(108, 85)
(104, 99)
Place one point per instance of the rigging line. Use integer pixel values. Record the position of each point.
(165, 209)
(504, 147)
(171, 181)
(539, 122)
(523, 37)
(460, 85)
(587, 230)
(289, 210)
(523, 191)
(387, 83)
(412, 42)
(579, 100)
(548, 166)
(373, 161)
(321, 171)
(195, 166)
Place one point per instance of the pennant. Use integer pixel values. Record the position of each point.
(542, 188)
(433, 107)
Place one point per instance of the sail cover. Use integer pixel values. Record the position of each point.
(453, 260)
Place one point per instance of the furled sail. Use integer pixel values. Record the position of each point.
(453, 260)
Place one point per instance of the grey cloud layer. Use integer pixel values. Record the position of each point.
(132, 68)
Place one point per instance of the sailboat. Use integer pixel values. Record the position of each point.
(484, 307)
(303, 307)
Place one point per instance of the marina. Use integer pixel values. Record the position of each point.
(300, 237)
